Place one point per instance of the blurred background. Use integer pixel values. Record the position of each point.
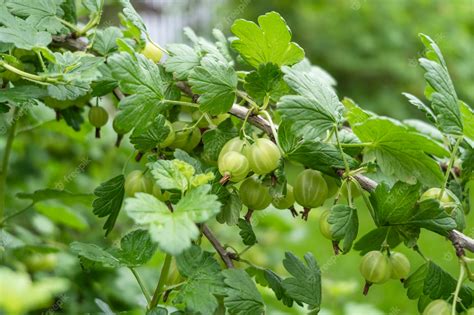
(369, 46)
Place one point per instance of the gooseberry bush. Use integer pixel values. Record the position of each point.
(217, 122)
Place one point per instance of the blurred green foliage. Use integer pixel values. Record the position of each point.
(371, 47)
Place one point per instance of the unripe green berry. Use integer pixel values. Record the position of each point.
(438, 307)
(152, 52)
(400, 266)
(263, 156)
(375, 267)
(286, 201)
(98, 116)
(310, 189)
(235, 165)
(324, 225)
(254, 194)
(136, 181)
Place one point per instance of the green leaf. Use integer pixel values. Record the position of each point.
(214, 139)
(415, 101)
(56, 194)
(444, 100)
(41, 14)
(305, 284)
(171, 174)
(216, 82)
(354, 113)
(266, 81)
(136, 248)
(70, 12)
(105, 84)
(242, 296)
(320, 156)
(204, 280)
(344, 225)
(288, 137)
(105, 41)
(149, 136)
(429, 215)
(132, 15)
(431, 280)
(391, 205)
(173, 231)
(270, 41)
(231, 206)
(20, 33)
(182, 60)
(141, 79)
(275, 283)
(401, 152)
(4, 108)
(109, 201)
(185, 157)
(22, 93)
(306, 66)
(94, 6)
(467, 115)
(399, 206)
(246, 232)
(316, 107)
(375, 238)
(61, 214)
(72, 116)
(78, 70)
(94, 253)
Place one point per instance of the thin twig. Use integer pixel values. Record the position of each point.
(225, 255)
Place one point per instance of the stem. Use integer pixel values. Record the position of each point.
(141, 284)
(27, 75)
(10, 216)
(161, 282)
(365, 198)
(450, 166)
(6, 159)
(416, 248)
(346, 165)
(458, 288)
(356, 145)
(40, 58)
(245, 97)
(182, 103)
(272, 126)
(70, 25)
(218, 247)
(244, 250)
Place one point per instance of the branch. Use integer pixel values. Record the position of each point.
(225, 255)
(69, 42)
(236, 110)
(461, 242)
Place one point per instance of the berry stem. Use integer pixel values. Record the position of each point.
(305, 213)
(224, 179)
(97, 133)
(293, 211)
(119, 140)
(366, 287)
(248, 215)
(139, 156)
(335, 247)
